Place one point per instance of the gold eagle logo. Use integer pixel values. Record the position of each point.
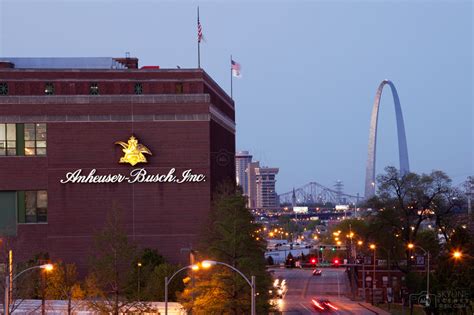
(133, 151)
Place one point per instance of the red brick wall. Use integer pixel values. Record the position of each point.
(165, 216)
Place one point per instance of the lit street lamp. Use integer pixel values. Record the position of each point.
(139, 265)
(46, 267)
(168, 281)
(427, 253)
(207, 264)
(457, 255)
(373, 247)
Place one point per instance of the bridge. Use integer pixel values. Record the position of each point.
(314, 193)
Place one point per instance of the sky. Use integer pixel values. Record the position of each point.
(310, 70)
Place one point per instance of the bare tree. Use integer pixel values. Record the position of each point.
(63, 284)
(110, 271)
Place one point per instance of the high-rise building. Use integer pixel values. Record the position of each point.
(265, 178)
(242, 160)
(80, 137)
(252, 184)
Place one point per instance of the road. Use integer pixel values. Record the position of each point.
(303, 287)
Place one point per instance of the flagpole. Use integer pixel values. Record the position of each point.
(231, 78)
(199, 43)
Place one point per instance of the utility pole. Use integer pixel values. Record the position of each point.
(10, 272)
(8, 284)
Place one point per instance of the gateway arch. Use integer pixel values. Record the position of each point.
(402, 140)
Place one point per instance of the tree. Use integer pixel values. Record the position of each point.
(229, 237)
(456, 273)
(63, 284)
(31, 285)
(155, 287)
(110, 272)
(142, 269)
(403, 204)
(404, 201)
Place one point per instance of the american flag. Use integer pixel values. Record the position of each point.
(199, 31)
(235, 66)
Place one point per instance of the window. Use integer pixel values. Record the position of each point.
(94, 89)
(7, 139)
(138, 88)
(49, 88)
(36, 206)
(35, 139)
(179, 88)
(8, 208)
(3, 88)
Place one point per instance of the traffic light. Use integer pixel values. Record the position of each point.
(333, 249)
(313, 261)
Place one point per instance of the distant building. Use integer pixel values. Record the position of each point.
(252, 184)
(267, 197)
(258, 183)
(242, 161)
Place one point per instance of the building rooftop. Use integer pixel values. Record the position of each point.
(68, 62)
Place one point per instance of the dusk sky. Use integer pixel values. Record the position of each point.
(310, 72)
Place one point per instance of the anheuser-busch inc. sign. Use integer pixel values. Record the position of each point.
(133, 154)
(138, 175)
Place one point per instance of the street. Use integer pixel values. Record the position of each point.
(303, 287)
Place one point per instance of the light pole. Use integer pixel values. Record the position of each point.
(360, 243)
(139, 265)
(251, 283)
(168, 281)
(427, 254)
(47, 267)
(373, 247)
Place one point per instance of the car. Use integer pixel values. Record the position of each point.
(317, 272)
(280, 288)
(323, 305)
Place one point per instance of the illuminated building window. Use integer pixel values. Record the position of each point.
(3, 88)
(7, 139)
(138, 88)
(35, 206)
(35, 139)
(49, 88)
(94, 89)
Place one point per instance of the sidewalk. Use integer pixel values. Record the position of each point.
(373, 309)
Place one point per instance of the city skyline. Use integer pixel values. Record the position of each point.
(304, 101)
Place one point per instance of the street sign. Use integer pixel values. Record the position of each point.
(420, 260)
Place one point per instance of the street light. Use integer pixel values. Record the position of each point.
(251, 283)
(46, 267)
(457, 254)
(168, 281)
(139, 265)
(427, 254)
(206, 264)
(373, 247)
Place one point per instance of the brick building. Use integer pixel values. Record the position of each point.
(60, 169)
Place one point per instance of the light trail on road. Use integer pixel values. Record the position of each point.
(303, 287)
